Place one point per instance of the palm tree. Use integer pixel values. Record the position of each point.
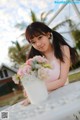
(17, 53)
(75, 32)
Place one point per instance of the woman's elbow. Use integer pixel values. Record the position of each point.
(63, 82)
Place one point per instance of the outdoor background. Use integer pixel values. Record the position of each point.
(15, 15)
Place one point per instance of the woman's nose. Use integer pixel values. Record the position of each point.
(38, 44)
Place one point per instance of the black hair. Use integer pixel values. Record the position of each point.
(38, 28)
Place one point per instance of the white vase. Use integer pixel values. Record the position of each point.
(35, 88)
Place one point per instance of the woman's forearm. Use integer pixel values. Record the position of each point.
(55, 84)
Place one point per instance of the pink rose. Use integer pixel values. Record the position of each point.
(29, 62)
(27, 69)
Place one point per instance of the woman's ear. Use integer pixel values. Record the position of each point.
(49, 35)
(51, 38)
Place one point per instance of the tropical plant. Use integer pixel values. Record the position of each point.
(17, 53)
(75, 32)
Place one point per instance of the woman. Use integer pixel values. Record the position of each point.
(51, 45)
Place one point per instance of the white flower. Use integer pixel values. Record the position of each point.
(43, 73)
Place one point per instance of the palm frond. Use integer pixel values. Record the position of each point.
(33, 16)
(62, 23)
(44, 15)
(17, 45)
(21, 25)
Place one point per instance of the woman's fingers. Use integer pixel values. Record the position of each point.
(25, 102)
(24, 93)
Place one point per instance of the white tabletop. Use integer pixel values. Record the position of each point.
(63, 103)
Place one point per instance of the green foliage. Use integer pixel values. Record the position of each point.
(74, 66)
(21, 25)
(33, 16)
(78, 45)
(76, 34)
(74, 77)
(17, 53)
(61, 24)
(44, 15)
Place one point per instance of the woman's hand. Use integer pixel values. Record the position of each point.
(24, 93)
(26, 101)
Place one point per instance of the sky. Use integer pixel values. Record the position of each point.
(13, 12)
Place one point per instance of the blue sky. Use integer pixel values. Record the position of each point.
(16, 11)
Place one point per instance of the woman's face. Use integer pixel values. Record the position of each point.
(41, 43)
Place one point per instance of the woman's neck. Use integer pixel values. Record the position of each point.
(49, 54)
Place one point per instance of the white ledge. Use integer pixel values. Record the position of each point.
(62, 104)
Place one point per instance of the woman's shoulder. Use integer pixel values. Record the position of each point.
(65, 50)
(64, 47)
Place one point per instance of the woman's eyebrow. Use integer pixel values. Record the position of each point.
(32, 40)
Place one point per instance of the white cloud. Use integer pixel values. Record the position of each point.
(3, 1)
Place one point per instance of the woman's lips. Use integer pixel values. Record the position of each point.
(41, 47)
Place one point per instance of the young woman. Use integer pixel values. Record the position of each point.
(50, 44)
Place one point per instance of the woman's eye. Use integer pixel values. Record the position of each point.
(39, 37)
(33, 42)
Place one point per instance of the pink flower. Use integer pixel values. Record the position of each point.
(29, 62)
(27, 69)
(37, 66)
(24, 70)
(20, 72)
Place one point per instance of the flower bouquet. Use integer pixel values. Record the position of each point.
(32, 75)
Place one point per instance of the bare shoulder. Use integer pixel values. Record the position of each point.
(65, 50)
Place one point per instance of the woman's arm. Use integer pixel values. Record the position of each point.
(63, 72)
(26, 101)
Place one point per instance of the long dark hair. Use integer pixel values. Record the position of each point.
(38, 28)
